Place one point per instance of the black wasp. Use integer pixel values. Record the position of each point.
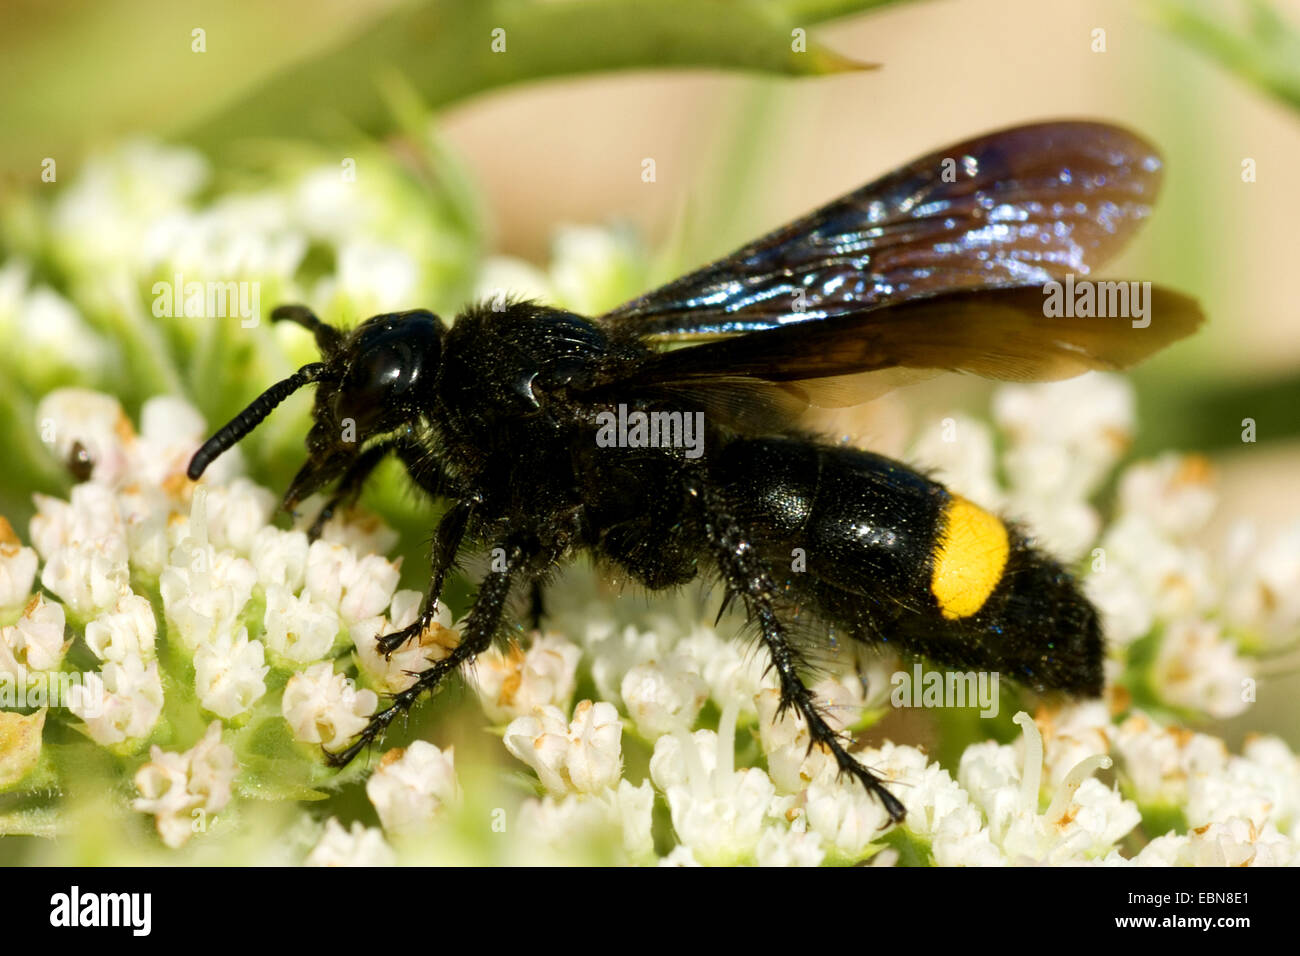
(940, 265)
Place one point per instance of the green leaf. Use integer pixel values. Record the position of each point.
(310, 68)
(913, 850)
(1265, 50)
(1159, 819)
(272, 766)
(449, 50)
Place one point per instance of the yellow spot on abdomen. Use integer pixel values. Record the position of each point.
(969, 560)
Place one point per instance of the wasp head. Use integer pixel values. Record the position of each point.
(371, 382)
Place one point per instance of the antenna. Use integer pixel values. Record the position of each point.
(328, 338)
(251, 417)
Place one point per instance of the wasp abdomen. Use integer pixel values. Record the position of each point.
(870, 542)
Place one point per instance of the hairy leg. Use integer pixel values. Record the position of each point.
(481, 624)
(536, 606)
(349, 486)
(744, 574)
(446, 543)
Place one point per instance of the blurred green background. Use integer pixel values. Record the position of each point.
(473, 150)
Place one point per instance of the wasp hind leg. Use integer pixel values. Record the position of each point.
(745, 574)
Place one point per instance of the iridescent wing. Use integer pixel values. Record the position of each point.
(1013, 208)
(945, 264)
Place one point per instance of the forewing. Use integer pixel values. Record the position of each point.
(1013, 208)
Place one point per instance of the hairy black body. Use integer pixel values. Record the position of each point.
(501, 414)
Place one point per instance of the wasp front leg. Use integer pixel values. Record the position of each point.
(349, 487)
(746, 575)
(481, 624)
(442, 556)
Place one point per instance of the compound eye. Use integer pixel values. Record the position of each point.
(379, 372)
(374, 382)
(391, 362)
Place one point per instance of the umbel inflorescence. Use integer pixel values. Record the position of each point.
(221, 652)
(217, 651)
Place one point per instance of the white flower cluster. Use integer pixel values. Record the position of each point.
(239, 597)
(323, 707)
(140, 211)
(1062, 441)
(57, 342)
(358, 845)
(592, 269)
(1038, 801)
(579, 761)
(1235, 810)
(34, 643)
(245, 608)
(220, 569)
(1151, 576)
(1146, 571)
(1239, 810)
(1032, 802)
(411, 790)
(17, 569)
(797, 812)
(185, 791)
